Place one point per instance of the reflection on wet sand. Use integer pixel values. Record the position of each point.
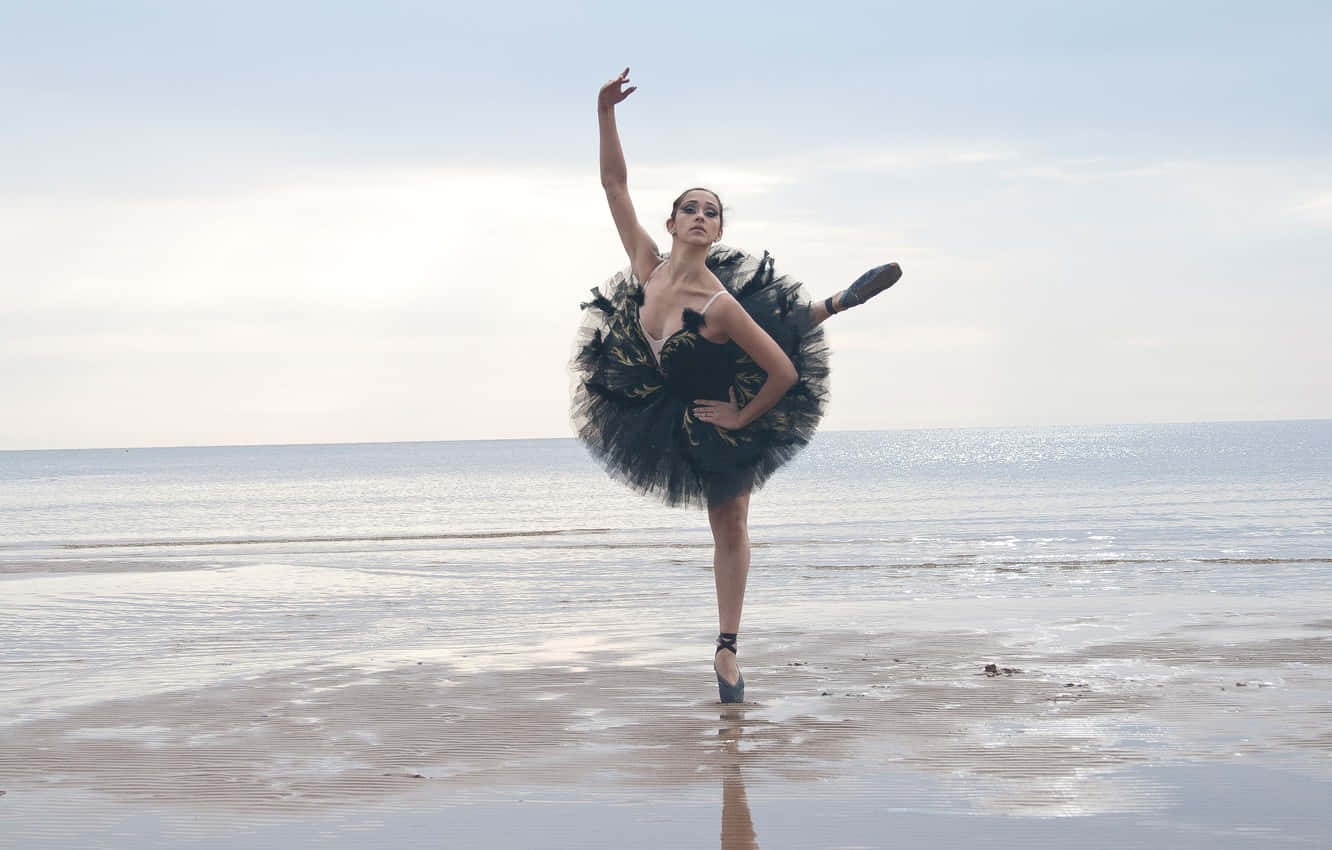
(1071, 732)
(737, 827)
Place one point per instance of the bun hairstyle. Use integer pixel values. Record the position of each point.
(721, 210)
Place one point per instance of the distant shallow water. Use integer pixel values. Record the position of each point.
(1202, 489)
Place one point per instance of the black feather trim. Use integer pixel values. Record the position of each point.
(599, 301)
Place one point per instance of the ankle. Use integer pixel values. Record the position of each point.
(726, 640)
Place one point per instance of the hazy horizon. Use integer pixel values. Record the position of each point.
(573, 437)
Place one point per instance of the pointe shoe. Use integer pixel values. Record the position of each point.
(865, 287)
(729, 693)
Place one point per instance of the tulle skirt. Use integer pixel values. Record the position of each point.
(636, 416)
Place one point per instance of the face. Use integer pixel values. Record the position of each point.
(697, 219)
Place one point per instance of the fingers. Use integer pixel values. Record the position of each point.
(614, 87)
(712, 402)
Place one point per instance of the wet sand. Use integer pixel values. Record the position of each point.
(1213, 732)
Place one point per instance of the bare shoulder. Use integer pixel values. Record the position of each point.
(724, 302)
(646, 263)
(645, 259)
(725, 313)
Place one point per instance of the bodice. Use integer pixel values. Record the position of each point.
(696, 368)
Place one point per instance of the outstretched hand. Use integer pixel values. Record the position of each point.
(614, 91)
(723, 414)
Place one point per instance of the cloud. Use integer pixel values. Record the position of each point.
(919, 338)
(1317, 209)
(910, 157)
(1094, 169)
(674, 178)
(439, 302)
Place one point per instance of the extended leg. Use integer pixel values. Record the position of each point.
(868, 285)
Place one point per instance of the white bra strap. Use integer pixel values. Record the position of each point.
(710, 300)
(652, 273)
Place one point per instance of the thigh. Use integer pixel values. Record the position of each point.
(731, 517)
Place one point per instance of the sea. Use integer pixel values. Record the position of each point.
(162, 567)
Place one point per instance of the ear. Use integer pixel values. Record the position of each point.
(669, 230)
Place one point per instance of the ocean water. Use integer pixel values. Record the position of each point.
(157, 568)
(312, 631)
(1256, 494)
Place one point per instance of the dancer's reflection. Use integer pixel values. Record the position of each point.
(737, 829)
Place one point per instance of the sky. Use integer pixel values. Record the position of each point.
(309, 222)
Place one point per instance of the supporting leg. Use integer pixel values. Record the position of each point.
(730, 571)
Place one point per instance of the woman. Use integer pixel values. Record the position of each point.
(700, 381)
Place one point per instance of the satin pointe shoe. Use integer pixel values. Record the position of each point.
(865, 287)
(728, 692)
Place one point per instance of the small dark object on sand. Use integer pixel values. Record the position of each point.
(995, 670)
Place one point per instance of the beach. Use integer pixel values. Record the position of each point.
(1029, 653)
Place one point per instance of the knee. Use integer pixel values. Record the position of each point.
(731, 528)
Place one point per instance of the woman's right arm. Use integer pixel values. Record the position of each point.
(638, 245)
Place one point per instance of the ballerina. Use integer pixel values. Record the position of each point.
(700, 372)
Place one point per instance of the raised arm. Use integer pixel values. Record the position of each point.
(638, 245)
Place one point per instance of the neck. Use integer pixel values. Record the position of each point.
(688, 257)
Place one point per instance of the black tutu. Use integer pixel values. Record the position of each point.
(636, 416)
